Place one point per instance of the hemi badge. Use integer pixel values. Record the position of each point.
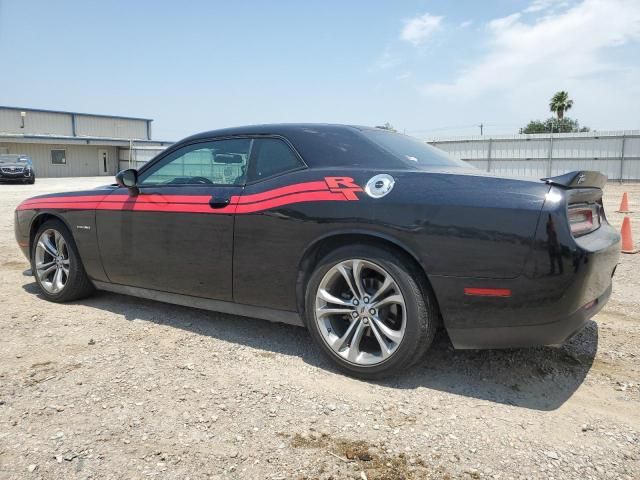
(83, 227)
(488, 292)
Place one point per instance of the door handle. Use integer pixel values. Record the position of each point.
(218, 202)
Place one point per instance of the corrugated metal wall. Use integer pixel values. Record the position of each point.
(82, 160)
(616, 154)
(44, 123)
(139, 156)
(38, 122)
(94, 126)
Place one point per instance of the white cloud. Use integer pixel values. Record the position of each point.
(552, 48)
(466, 23)
(418, 30)
(503, 23)
(540, 5)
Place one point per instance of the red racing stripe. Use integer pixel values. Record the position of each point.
(60, 205)
(65, 199)
(277, 192)
(289, 199)
(146, 198)
(278, 197)
(165, 199)
(158, 198)
(133, 205)
(167, 207)
(97, 201)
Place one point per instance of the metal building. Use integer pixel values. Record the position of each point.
(614, 153)
(70, 144)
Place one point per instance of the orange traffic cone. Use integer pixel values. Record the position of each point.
(627, 239)
(624, 204)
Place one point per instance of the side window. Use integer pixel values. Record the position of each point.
(271, 156)
(220, 162)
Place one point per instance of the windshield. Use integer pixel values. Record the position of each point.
(14, 159)
(411, 150)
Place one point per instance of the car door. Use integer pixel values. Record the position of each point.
(176, 234)
(266, 237)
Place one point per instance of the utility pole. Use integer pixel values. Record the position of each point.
(481, 128)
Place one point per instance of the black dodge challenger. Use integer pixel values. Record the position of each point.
(368, 238)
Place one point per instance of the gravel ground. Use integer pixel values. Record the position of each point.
(118, 387)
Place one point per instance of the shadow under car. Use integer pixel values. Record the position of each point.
(540, 378)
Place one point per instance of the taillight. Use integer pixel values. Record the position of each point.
(584, 219)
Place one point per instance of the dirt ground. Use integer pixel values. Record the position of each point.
(118, 387)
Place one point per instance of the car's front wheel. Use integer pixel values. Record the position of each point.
(370, 311)
(56, 264)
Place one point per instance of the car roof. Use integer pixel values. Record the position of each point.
(283, 129)
(319, 144)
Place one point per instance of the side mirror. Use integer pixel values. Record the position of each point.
(128, 178)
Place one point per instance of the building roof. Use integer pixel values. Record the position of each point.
(26, 109)
(64, 139)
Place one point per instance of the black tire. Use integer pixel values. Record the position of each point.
(32, 181)
(421, 310)
(78, 285)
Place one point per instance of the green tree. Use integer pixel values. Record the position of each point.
(554, 125)
(560, 103)
(534, 126)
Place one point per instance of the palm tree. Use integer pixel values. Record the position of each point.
(560, 103)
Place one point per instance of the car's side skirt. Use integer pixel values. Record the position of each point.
(270, 314)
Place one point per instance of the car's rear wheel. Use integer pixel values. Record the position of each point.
(370, 311)
(56, 264)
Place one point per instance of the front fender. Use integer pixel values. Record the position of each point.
(81, 225)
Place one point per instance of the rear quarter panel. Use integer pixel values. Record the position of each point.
(465, 225)
(454, 225)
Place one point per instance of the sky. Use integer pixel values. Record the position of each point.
(431, 68)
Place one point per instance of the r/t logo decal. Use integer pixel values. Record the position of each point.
(344, 185)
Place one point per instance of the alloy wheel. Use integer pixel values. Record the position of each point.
(360, 312)
(52, 261)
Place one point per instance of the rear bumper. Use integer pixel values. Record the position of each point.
(555, 333)
(546, 306)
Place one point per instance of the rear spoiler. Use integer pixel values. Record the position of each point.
(579, 179)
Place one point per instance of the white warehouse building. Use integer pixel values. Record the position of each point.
(70, 144)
